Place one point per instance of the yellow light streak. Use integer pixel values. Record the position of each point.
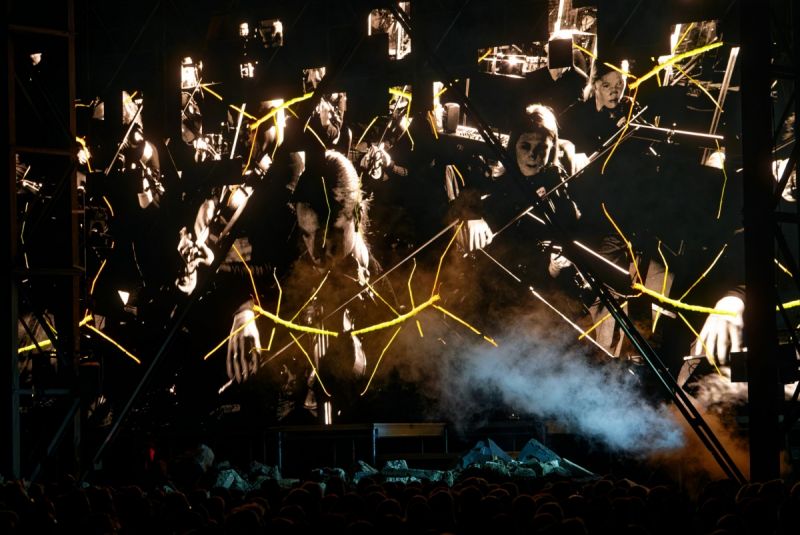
(724, 183)
(250, 273)
(399, 319)
(683, 36)
(443, 90)
(628, 243)
(464, 323)
(673, 60)
(400, 93)
(599, 322)
(86, 319)
(290, 325)
(206, 87)
(364, 133)
(609, 65)
(313, 295)
(112, 341)
(441, 258)
(240, 110)
(411, 294)
(485, 55)
(25, 349)
(277, 307)
(311, 129)
(681, 305)
(308, 358)
(622, 134)
(460, 176)
(663, 283)
(236, 331)
(110, 208)
(703, 275)
(97, 276)
(709, 356)
(379, 296)
(432, 122)
(791, 304)
(82, 143)
(700, 86)
(275, 110)
(783, 268)
(328, 217)
(380, 358)
(250, 154)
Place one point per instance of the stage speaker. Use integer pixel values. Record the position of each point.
(452, 111)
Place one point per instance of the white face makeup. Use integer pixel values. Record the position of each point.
(608, 90)
(533, 152)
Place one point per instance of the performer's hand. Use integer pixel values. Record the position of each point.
(480, 235)
(243, 346)
(722, 334)
(557, 263)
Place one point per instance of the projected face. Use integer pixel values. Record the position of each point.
(325, 248)
(608, 90)
(533, 152)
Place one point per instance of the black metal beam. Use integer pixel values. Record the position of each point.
(759, 224)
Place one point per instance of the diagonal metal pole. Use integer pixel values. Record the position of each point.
(679, 397)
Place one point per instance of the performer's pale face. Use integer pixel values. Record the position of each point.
(533, 152)
(608, 90)
(325, 248)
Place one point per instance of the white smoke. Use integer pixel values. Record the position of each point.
(540, 374)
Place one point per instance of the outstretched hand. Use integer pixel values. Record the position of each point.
(722, 334)
(242, 360)
(480, 235)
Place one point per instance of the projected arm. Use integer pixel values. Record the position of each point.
(243, 345)
(722, 334)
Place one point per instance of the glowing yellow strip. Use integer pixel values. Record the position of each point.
(673, 60)
(724, 184)
(385, 302)
(289, 325)
(129, 98)
(328, 217)
(783, 268)
(685, 33)
(385, 348)
(313, 295)
(709, 356)
(277, 308)
(483, 57)
(460, 176)
(308, 358)
(411, 293)
(399, 319)
(240, 110)
(249, 272)
(25, 349)
(109, 339)
(609, 65)
(628, 243)
(400, 93)
(433, 125)
(86, 319)
(310, 129)
(239, 329)
(111, 208)
(443, 90)
(82, 143)
(94, 281)
(681, 305)
(364, 133)
(273, 111)
(622, 134)
(441, 258)
(464, 323)
(250, 155)
(708, 269)
(663, 284)
(699, 85)
(588, 331)
(206, 87)
(791, 304)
